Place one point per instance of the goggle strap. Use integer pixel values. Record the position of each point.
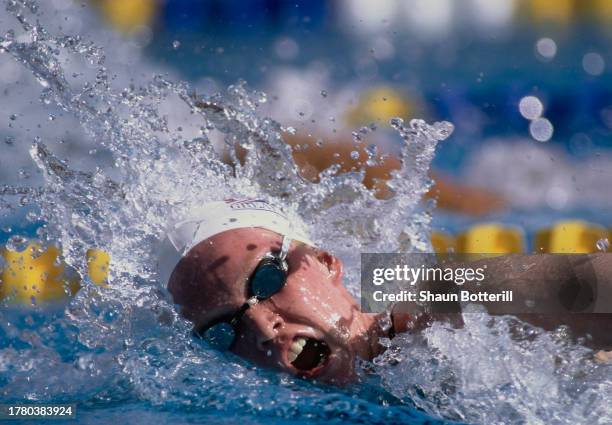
(284, 248)
(251, 301)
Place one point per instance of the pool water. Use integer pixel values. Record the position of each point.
(45, 359)
(121, 152)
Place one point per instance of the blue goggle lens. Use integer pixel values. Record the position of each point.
(221, 336)
(268, 279)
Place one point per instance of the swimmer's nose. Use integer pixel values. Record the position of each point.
(267, 324)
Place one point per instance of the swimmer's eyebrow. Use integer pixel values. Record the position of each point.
(244, 277)
(248, 271)
(221, 312)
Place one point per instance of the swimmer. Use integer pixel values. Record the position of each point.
(252, 283)
(450, 195)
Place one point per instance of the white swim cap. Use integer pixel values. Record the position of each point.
(213, 218)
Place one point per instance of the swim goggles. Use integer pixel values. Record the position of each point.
(269, 277)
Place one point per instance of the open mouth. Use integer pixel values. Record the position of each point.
(305, 354)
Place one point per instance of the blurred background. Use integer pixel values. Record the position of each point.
(526, 83)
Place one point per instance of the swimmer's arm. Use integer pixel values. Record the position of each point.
(539, 276)
(566, 278)
(560, 277)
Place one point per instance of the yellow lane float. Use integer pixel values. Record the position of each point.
(443, 243)
(564, 237)
(492, 238)
(571, 237)
(98, 262)
(35, 276)
(128, 16)
(550, 11)
(378, 105)
(601, 10)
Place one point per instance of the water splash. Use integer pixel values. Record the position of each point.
(602, 245)
(127, 341)
(161, 175)
(498, 371)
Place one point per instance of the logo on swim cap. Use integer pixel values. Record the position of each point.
(253, 204)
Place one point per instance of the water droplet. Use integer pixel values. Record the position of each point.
(541, 129)
(291, 130)
(546, 48)
(17, 243)
(9, 140)
(319, 142)
(36, 251)
(31, 216)
(531, 107)
(443, 129)
(593, 64)
(323, 93)
(396, 123)
(602, 245)
(286, 48)
(176, 44)
(557, 197)
(13, 117)
(356, 137)
(354, 155)
(51, 117)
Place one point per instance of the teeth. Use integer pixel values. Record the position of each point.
(295, 349)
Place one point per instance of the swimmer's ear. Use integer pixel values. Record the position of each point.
(333, 264)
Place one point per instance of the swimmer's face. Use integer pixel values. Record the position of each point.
(312, 327)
